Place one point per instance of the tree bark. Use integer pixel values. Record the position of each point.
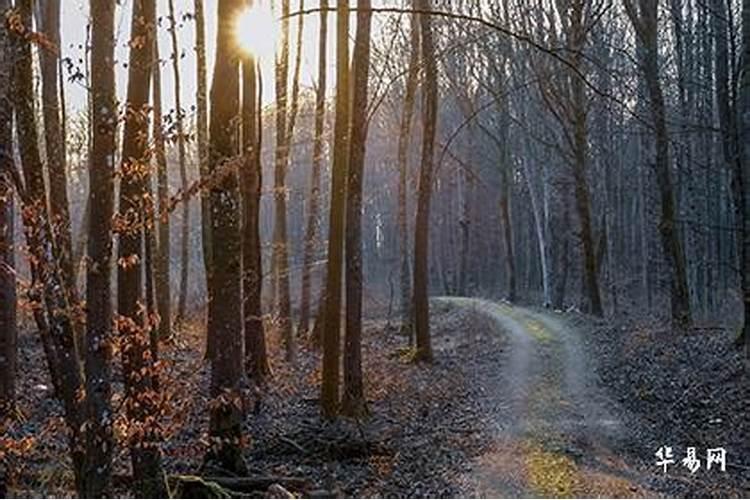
(251, 177)
(313, 215)
(421, 239)
(202, 131)
(329, 397)
(52, 312)
(646, 27)
(283, 143)
(407, 116)
(99, 339)
(162, 265)
(225, 297)
(8, 329)
(180, 131)
(54, 140)
(137, 357)
(353, 398)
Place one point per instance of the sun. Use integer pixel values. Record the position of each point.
(257, 30)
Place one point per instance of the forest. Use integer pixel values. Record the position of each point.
(374, 248)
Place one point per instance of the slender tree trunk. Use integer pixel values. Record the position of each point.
(8, 329)
(225, 294)
(52, 312)
(407, 116)
(510, 260)
(162, 265)
(353, 398)
(646, 26)
(202, 131)
(179, 123)
(133, 325)
(99, 339)
(421, 240)
(251, 177)
(311, 232)
(329, 397)
(283, 138)
(580, 159)
(54, 140)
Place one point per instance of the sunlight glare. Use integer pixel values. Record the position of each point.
(257, 31)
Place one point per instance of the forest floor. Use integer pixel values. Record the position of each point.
(519, 402)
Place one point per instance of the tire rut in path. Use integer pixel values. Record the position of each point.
(558, 433)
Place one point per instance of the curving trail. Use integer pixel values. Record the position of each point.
(557, 432)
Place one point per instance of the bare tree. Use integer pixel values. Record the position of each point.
(353, 398)
(329, 397)
(284, 129)
(644, 18)
(251, 177)
(225, 294)
(313, 222)
(180, 133)
(54, 140)
(162, 259)
(407, 117)
(421, 239)
(201, 119)
(99, 446)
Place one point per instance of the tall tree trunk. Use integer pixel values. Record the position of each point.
(743, 187)
(180, 130)
(421, 239)
(54, 140)
(283, 144)
(251, 180)
(646, 27)
(407, 116)
(225, 294)
(52, 313)
(311, 231)
(8, 329)
(329, 397)
(353, 398)
(162, 265)
(510, 260)
(99, 339)
(140, 397)
(201, 99)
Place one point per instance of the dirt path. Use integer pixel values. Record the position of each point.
(557, 432)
